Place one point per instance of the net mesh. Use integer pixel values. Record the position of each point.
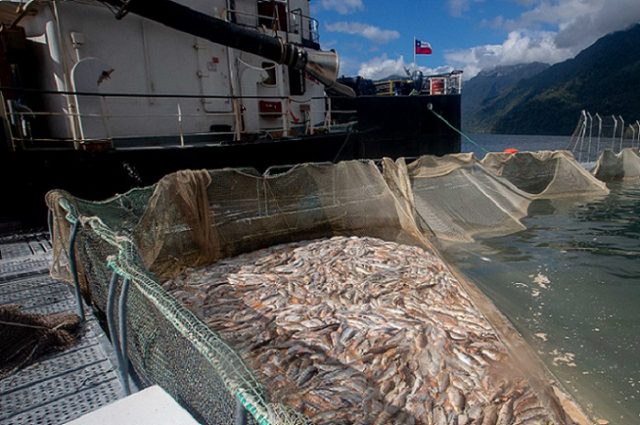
(624, 165)
(596, 133)
(545, 174)
(457, 198)
(193, 218)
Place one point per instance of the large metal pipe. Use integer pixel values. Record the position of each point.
(322, 65)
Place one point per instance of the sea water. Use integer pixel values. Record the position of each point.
(570, 283)
(480, 143)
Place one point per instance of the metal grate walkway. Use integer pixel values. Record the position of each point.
(65, 385)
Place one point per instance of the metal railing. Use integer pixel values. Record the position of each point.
(441, 84)
(296, 23)
(26, 128)
(300, 21)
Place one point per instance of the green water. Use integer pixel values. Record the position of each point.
(589, 312)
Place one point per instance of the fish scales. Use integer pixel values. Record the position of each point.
(360, 330)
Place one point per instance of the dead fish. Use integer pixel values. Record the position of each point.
(456, 398)
(359, 330)
(490, 415)
(505, 415)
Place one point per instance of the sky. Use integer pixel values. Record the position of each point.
(374, 38)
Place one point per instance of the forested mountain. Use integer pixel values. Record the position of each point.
(604, 78)
(483, 89)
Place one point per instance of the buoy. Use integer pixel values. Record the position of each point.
(511, 150)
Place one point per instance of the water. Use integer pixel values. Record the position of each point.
(570, 284)
(498, 142)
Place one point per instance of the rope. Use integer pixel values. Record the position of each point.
(24, 325)
(346, 140)
(458, 131)
(257, 68)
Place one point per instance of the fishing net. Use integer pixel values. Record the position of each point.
(195, 218)
(457, 199)
(624, 165)
(191, 218)
(545, 174)
(226, 212)
(25, 337)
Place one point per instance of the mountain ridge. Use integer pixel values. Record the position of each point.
(481, 90)
(604, 77)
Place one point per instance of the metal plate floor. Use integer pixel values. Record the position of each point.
(65, 385)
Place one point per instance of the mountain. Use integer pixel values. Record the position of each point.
(487, 86)
(604, 78)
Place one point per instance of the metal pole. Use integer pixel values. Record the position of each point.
(50, 224)
(582, 133)
(111, 325)
(180, 126)
(613, 138)
(599, 130)
(633, 134)
(638, 124)
(590, 131)
(415, 63)
(621, 131)
(74, 268)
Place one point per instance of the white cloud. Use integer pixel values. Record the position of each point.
(550, 31)
(343, 7)
(348, 66)
(370, 32)
(519, 47)
(557, 12)
(328, 44)
(577, 23)
(383, 66)
(583, 30)
(458, 7)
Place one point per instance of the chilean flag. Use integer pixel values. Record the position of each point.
(423, 48)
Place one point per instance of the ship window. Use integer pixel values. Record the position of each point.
(270, 77)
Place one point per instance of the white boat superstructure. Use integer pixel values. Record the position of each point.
(156, 81)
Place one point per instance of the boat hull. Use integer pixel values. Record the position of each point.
(387, 127)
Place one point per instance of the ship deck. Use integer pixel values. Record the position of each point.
(62, 386)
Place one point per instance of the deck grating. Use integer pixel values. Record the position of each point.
(62, 386)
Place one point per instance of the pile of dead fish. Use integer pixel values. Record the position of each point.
(359, 330)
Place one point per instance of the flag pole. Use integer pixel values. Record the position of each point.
(415, 64)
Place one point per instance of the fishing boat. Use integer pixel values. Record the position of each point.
(102, 96)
